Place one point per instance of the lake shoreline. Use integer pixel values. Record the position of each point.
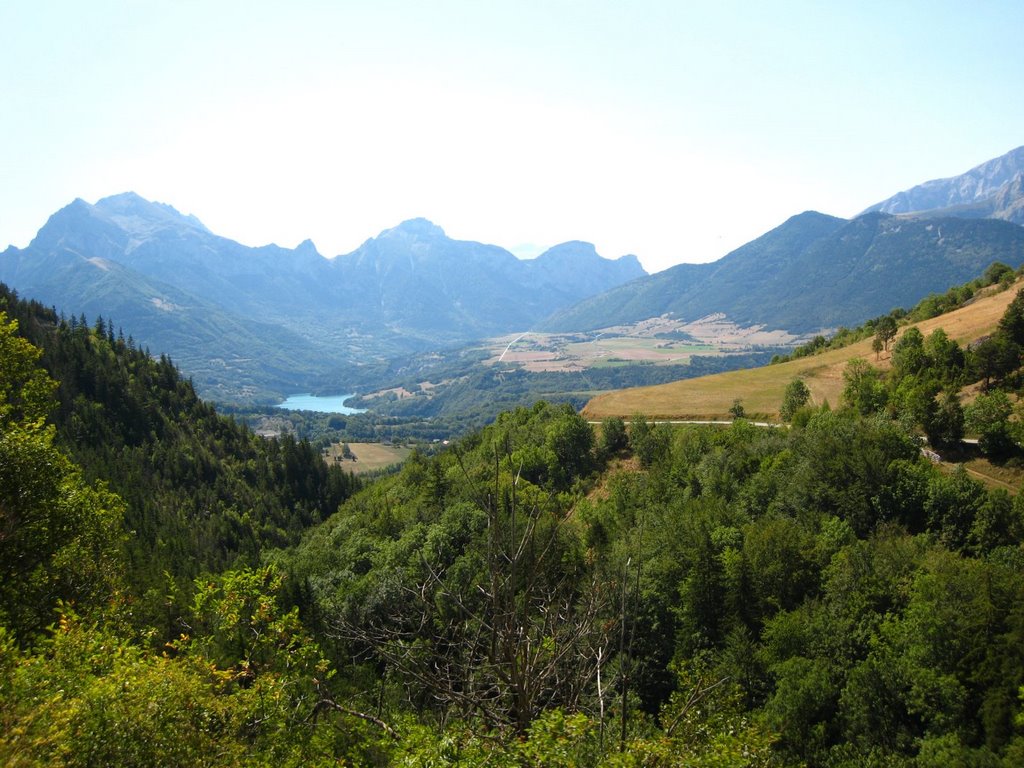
(319, 404)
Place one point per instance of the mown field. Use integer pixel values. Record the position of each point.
(369, 457)
(760, 390)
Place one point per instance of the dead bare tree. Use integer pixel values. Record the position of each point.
(517, 635)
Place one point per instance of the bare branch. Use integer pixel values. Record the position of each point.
(328, 703)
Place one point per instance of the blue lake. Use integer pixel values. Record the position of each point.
(326, 404)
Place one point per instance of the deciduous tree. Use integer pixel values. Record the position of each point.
(885, 330)
(796, 397)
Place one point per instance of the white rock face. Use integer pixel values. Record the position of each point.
(982, 183)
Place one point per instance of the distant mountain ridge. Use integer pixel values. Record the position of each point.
(258, 322)
(812, 272)
(993, 189)
(816, 272)
(245, 320)
(415, 276)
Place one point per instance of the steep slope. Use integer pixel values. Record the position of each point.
(575, 270)
(200, 490)
(812, 272)
(413, 277)
(761, 389)
(156, 241)
(225, 354)
(990, 190)
(695, 290)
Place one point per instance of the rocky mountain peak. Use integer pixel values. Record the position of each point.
(981, 183)
(569, 250)
(307, 247)
(138, 215)
(418, 228)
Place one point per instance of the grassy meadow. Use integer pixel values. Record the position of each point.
(369, 457)
(760, 390)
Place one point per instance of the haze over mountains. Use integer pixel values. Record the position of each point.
(814, 272)
(254, 322)
(817, 272)
(994, 189)
(241, 319)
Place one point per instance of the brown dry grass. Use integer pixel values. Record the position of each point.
(369, 456)
(761, 389)
(601, 491)
(994, 475)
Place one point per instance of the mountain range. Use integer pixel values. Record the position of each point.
(994, 189)
(816, 272)
(249, 321)
(255, 323)
(812, 273)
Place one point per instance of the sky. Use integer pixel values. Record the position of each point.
(672, 130)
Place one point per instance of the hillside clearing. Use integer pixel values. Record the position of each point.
(368, 456)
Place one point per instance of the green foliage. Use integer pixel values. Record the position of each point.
(994, 358)
(864, 391)
(647, 441)
(26, 392)
(921, 390)
(570, 440)
(819, 596)
(464, 577)
(238, 626)
(908, 354)
(804, 704)
(1011, 324)
(885, 330)
(92, 694)
(752, 597)
(704, 724)
(796, 396)
(200, 491)
(613, 435)
(59, 536)
(946, 359)
(945, 429)
(998, 272)
(99, 700)
(988, 417)
(770, 556)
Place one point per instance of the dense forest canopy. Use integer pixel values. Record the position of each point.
(178, 591)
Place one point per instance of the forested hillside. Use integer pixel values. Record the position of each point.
(541, 593)
(813, 272)
(822, 596)
(201, 491)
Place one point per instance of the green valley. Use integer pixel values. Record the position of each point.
(515, 558)
(539, 593)
(511, 385)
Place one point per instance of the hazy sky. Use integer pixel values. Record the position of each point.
(673, 130)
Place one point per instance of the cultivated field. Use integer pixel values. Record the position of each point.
(658, 340)
(368, 456)
(761, 389)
